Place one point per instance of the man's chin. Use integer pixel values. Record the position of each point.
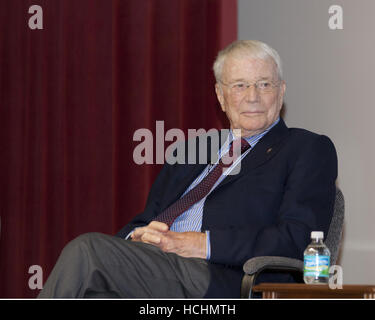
(253, 128)
(249, 133)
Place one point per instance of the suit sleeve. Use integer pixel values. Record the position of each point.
(307, 205)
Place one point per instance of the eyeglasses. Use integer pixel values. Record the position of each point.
(262, 86)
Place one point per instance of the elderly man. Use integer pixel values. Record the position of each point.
(200, 224)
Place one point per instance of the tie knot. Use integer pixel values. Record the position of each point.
(244, 145)
(237, 147)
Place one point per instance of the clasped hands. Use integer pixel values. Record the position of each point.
(187, 244)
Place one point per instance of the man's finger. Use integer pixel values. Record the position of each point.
(159, 226)
(150, 238)
(156, 229)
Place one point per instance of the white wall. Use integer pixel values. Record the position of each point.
(330, 76)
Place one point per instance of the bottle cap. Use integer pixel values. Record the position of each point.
(317, 235)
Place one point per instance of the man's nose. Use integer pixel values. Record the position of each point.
(252, 94)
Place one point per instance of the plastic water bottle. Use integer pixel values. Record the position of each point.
(316, 260)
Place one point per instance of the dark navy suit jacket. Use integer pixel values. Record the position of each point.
(284, 190)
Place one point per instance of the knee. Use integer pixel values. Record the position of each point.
(83, 241)
(88, 237)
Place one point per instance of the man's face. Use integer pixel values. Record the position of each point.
(251, 110)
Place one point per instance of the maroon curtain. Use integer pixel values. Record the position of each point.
(71, 97)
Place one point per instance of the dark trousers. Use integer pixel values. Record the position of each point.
(96, 265)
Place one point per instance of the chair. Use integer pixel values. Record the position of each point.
(254, 266)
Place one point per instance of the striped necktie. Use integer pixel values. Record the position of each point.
(200, 190)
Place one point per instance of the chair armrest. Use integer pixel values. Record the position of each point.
(254, 266)
(258, 264)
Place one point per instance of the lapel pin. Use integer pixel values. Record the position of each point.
(269, 150)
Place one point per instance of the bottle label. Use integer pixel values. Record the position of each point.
(316, 266)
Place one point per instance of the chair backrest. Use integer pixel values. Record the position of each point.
(333, 239)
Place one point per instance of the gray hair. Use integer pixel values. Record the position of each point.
(253, 48)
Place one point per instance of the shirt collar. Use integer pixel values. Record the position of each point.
(255, 138)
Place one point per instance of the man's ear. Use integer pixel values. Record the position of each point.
(282, 92)
(220, 96)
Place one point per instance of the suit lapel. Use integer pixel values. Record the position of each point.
(264, 150)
